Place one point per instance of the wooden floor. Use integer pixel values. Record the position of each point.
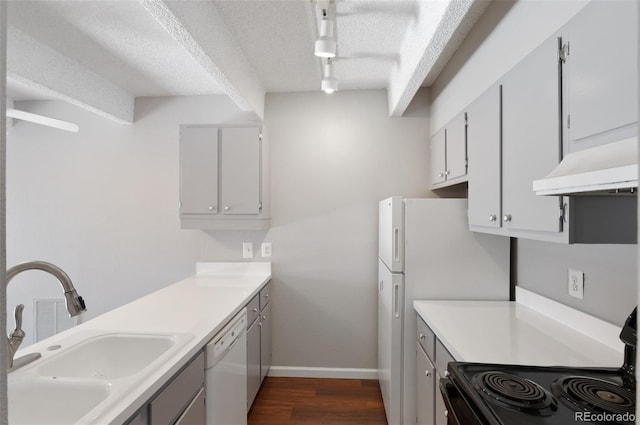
(310, 401)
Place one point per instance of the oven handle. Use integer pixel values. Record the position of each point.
(450, 392)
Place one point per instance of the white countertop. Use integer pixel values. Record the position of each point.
(512, 333)
(194, 310)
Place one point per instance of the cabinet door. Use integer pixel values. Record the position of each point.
(195, 412)
(253, 362)
(265, 342)
(601, 70)
(441, 408)
(240, 171)
(456, 148)
(484, 147)
(425, 388)
(438, 157)
(531, 139)
(198, 170)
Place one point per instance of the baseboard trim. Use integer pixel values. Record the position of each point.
(322, 372)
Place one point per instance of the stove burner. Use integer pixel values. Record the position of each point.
(514, 392)
(591, 394)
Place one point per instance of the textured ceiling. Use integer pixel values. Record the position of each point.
(114, 51)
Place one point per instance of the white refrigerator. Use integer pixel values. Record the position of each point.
(426, 251)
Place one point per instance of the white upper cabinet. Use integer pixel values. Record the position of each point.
(198, 180)
(531, 142)
(240, 171)
(223, 177)
(601, 74)
(567, 94)
(484, 147)
(438, 157)
(457, 148)
(449, 153)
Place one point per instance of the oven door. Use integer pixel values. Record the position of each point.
(459, 412)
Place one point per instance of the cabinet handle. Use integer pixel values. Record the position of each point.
(427, 373)
(266, 296)
(446, 413)
(447, 374)
(211, 208)
(264, 317)
(255, 310)
(447, 172)
(396, 301)
(421, 337)
(227, 207)
(492, 218)
(507, 217)
(441, 175)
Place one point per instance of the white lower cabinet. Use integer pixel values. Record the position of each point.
(180, 402)
(258, 342)
(441, 408)
(265, 342)
(431, 365)
(426, 387)
(195, 413)
(253, 362)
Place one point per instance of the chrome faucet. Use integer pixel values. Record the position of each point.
(74, 302)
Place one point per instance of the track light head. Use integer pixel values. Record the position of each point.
(325, 46)
(329, 81)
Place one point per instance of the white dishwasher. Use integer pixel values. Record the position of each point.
(226, 374)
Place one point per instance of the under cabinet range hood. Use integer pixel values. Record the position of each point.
(610, 168)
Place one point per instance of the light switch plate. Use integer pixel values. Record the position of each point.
(266, 249)
(247, 249)
(576, 283)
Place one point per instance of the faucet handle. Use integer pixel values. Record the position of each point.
(18, 332)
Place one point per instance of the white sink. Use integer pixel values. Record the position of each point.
(109, 356)
(52, 402)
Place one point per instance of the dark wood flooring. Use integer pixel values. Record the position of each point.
(311, 401)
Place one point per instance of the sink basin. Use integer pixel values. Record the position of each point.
(109, 356)
(52, 402)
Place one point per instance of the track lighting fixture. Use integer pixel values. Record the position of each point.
(326, 44)
(329, 82)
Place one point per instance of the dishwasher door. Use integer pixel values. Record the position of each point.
(226, 374)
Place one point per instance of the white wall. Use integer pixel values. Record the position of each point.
(502, 37)
(332, 159)
(102, 204)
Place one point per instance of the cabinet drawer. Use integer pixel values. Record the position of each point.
(265, 294)
(426, 338)
(443, 357)
(253, 310)
(177, 395)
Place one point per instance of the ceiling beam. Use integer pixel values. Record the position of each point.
(426, 51)
(199, 28)
(42, 68)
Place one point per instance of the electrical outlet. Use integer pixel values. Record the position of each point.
(266, 249)
(247, 249)
(576, 283)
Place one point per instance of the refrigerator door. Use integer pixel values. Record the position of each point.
(390, 324)
(391, 233)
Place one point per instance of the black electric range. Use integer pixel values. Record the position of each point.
(495, 394)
